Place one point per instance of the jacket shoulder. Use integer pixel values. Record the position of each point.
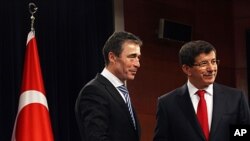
(176, 92)
(226, 89)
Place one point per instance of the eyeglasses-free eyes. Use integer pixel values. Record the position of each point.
(206, 63)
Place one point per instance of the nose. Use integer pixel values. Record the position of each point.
(211, 67)
(137, 63)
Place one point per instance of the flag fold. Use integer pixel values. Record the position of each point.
(32, 120)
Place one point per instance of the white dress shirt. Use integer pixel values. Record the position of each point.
(114, 80)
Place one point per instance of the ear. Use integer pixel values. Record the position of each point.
(187, 70)
(112, 57)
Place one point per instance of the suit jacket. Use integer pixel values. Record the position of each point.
(102, 114)
(177, 121)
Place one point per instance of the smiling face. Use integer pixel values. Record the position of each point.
(204, 72)
(127, 63)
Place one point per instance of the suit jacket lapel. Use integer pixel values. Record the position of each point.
(116, 95)
(218, 108)
(186, 105)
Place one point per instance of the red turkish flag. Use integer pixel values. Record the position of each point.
(33, 120)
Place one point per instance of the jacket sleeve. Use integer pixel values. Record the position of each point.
(244, 110)
(161, 130)
(93, 114)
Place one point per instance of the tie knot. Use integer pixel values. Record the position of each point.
(201, 93)
(123, 89)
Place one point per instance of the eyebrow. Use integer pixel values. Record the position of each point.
(209, 60)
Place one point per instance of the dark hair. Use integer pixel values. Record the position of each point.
(115, 42)
(192, 49)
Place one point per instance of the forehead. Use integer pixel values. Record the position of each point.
(130, 46)
(206, 56)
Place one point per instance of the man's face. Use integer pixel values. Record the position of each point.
(204, 71)
(127, 64)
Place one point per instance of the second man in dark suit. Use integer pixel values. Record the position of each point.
(200, 110)
(104, 111)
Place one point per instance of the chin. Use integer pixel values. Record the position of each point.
(209, 83)
(131, 78)
(209, 80)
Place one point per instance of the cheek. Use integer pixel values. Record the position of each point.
(127, 64)
(197, 74)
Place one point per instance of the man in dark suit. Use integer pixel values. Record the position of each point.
(186, 114)
(103, 110)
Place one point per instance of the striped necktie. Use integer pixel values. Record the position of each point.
(124, 91)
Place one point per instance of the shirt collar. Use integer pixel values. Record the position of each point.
(192, 89)
(111, 77)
